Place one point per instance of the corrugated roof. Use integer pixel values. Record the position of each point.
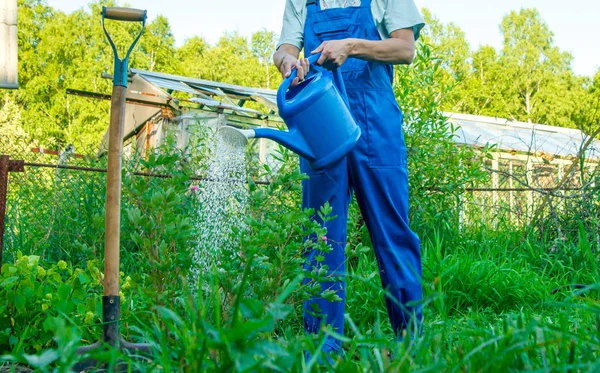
(525, 137)
(216, 93)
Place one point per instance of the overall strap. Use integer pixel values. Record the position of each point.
(313, 2)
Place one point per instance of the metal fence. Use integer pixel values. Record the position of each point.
(53, 201)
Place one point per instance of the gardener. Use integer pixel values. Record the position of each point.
(365, 39)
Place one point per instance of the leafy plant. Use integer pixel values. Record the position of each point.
(34, 294)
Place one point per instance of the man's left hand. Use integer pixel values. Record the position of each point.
(333, 53)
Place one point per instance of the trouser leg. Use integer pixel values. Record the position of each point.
(379, 176)
(382, 195)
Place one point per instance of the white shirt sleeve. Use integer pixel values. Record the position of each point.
(401, 14)
(294, 17)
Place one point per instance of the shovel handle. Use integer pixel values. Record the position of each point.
(113, 192)
(124, 14)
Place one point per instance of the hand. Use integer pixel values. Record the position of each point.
(290, 62)
(333, 53)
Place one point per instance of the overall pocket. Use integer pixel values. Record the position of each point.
(387, 148)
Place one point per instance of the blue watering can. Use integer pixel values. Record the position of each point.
(321, 128)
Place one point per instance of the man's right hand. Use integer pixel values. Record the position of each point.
(286, 59)
(290, 62)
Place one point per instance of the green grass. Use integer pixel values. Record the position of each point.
(496, 300)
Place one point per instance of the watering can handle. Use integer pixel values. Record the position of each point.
(337, 77)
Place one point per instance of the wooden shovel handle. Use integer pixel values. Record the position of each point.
(124, 14)
(113, 192)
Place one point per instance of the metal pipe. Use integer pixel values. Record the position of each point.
(146, 174)
(4, 159)
(6, 166)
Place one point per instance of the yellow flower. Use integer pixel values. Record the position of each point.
(89, 317)
(128, 283)
(62, 264)
(41, 271)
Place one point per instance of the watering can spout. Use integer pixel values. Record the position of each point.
(291, 139)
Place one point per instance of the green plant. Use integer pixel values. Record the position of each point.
(161, 235)
(439, 169)
(33, 294)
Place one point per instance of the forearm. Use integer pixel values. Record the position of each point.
(393, 50)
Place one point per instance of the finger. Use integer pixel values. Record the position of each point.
(286, 69)
(319, 48)
(299, 70)
(295, 82)
(322, 59)
(306, 65)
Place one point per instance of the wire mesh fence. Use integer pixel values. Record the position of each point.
(55, 207)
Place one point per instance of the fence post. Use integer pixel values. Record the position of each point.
(6, 166)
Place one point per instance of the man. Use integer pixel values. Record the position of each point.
(364, 39)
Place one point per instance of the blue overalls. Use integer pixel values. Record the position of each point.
(375, 170)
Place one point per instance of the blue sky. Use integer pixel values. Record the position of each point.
(576, 23)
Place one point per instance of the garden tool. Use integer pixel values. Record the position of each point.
(111, 300)
(321, 128)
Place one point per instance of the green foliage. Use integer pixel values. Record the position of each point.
(38, 224)
(429, 139)
(34, 294)
(489, 298)
(11, 126)
(60, 51)
(159, 217)
(495, 300)
(529, 79)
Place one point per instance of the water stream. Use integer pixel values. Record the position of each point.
(222, 201)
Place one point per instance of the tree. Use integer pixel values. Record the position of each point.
(263, 47)
(158, 44)
(13, 135)
(529, 79)
(231, 61)
(449, 43)
(536, 68)
(190, 55)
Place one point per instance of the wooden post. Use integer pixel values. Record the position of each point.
(6, 166)
(113, 193)
(262, 152)
(560, 177)
(495, 183)
(530, 183)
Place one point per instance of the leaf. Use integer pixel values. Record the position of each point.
(20, 302)
(279, 311)
(12, 340)
(8, 281)
(43, 360)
